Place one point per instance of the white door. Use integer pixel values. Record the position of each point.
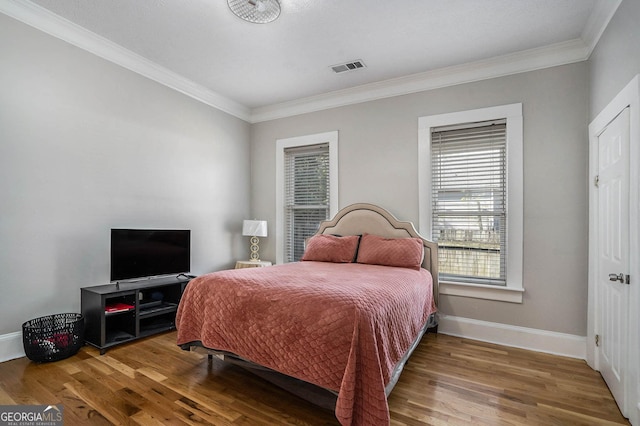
(613, 254)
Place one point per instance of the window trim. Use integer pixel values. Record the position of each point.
(514, 288)
(281, 144)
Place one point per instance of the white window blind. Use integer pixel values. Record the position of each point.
(469, 201)
(306, 179)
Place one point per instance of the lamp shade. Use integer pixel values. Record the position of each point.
(254, 228)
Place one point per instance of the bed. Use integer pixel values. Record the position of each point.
(336, 327)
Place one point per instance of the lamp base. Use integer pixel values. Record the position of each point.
(254, 248)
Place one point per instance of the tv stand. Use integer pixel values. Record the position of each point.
(126, 311)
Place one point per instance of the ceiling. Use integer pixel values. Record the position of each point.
(265, 71)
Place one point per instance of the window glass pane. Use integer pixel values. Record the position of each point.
(306, 195)
(469, 201)
(304, 223)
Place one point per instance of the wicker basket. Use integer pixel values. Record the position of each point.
(53, 337)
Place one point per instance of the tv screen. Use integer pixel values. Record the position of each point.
(140, 253)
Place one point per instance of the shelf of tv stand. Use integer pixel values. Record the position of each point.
(159, 309)
(153, 302)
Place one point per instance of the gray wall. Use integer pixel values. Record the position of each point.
(86, 145)
(378, 144)
(616, 58)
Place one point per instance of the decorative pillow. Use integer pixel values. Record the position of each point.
(401, 252)
(331, 248)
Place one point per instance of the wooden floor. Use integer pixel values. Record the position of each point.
(448, 381)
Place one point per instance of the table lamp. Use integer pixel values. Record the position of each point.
(254, 229)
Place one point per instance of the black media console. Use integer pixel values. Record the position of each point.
(119, 313)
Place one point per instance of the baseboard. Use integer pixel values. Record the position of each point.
(568, 345)
(508, 335)
(11, 346)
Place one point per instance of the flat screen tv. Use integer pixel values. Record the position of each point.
(143, 253)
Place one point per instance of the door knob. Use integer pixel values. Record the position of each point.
(619, 277)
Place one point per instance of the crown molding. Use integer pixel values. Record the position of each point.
(528, 60)
(549, 56)
(598, 21)
(56, 26)
(576, 50)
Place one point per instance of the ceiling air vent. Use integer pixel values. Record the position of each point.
(349, 66)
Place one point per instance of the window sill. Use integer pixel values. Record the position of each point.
(479, 291)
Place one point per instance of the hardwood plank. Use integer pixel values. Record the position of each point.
(78, 412)
(143, 418)
(5, 398)
(448, 381)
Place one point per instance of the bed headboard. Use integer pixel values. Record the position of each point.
(361, 218)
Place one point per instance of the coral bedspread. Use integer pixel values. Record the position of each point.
(343, 327)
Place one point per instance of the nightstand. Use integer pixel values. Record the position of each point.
(240, 264)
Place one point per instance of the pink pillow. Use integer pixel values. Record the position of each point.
(402, 252)
(330, 248)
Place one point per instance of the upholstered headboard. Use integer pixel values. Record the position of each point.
(361, 218)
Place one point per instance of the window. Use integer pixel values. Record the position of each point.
(306, 190)
(470, 168)
(469, 201)
(306, 183)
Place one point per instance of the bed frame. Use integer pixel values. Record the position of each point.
(356, 219)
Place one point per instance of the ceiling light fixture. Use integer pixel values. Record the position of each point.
(256, 11)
